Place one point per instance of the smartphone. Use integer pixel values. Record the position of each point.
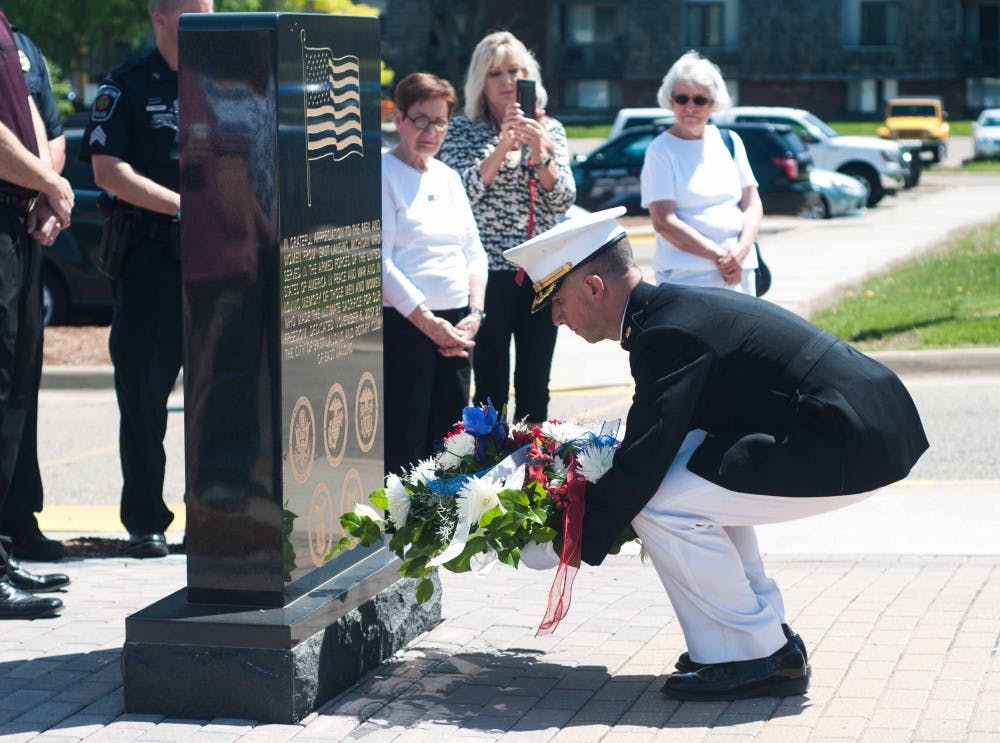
(526, 97)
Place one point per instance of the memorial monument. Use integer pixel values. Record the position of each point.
(281, 264)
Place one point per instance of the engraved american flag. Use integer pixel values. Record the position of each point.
(333, 104)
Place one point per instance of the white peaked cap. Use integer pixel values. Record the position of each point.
(548, 257)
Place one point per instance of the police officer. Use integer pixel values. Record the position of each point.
(18, 519)
(35, 204)
(132, 141)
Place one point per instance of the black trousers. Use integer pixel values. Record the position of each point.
(508, 315)
(17, 519)
(20, 331)
(146, 351)
(424, 391)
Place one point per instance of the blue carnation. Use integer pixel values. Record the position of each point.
(479, 421)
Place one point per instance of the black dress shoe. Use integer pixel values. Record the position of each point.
(18, 604)
(684, 663)
(783, 674)
(21, 578)
(38, 547)
(148, 545)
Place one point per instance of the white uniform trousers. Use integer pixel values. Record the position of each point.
(700, 539)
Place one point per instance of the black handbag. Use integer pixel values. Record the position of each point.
(762, 275)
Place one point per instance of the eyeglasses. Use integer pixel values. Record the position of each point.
(423, 123)
(682, 99)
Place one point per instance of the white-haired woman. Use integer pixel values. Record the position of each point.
(515, 168)
(702, 198)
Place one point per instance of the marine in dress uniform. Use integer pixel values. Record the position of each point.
(132, 140)
(35, 204)
(743, 414)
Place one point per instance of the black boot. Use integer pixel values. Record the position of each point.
(684, 663)
(26, 581)
(785, 673)
(18, 604)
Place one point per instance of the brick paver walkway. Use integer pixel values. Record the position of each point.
(903, 648)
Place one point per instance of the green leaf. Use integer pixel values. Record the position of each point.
(344, 543)
(543, 534)
(424, 590)
(487, 517)
(513, 500)
(415, 567)
(379, 500)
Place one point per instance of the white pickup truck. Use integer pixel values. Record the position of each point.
(881, 164)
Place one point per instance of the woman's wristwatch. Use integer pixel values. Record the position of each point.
(544, 163)
(477, 311)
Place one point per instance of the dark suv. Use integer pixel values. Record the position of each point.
(73, 290)
(609, 176)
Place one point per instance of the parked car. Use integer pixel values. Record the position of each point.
(881, 163)
(918, 119)
(73, 290)
(629, 117)
(986, 132)
(609, 176)
(839, 194)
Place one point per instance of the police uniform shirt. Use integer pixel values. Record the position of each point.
(134, 118)
(36, 74)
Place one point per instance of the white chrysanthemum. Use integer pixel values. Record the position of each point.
(558, 468)
(593, 461)
(562, 432)
(399, 500)
(458, 446)
(422, 472)
(363, 509)
(481, 494)
(520, 427)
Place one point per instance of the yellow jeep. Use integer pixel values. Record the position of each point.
(918, 118)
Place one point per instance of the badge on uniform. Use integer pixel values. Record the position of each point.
(104, 103)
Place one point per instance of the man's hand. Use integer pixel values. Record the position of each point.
(43, 224)
(60, 199)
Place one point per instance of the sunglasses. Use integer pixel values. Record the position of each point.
(682, 99)
(424, 123)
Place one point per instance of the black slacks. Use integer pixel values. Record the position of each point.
(424, 391)
(20, 330)
(146, 351)
(508, 315)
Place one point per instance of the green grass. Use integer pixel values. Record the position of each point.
(948, 299)
(588, 131)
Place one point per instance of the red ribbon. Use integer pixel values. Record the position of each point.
(530, 232)
(561, 591)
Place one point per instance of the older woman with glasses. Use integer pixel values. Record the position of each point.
(515, 167)
(701, 194)
(433, 276)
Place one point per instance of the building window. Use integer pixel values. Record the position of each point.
(590, 24)
(869, 96)
(703, 24)
(879, 23)
(589, 94)
(710, 23)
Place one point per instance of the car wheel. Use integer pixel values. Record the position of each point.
(54, 302)
(870, 178)
(820, 209)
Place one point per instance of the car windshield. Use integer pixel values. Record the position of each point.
(911, 109)
(991, 121)
(828, 131)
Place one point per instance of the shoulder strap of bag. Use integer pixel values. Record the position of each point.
(727, 139)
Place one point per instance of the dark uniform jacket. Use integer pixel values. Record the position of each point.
(36, 74)
(789, 409)
(134, 118)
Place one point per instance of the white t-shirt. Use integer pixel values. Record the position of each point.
(706, 185)
(430, 243)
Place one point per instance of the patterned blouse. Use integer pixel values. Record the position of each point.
(501, 209)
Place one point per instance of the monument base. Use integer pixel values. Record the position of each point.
(203, 661)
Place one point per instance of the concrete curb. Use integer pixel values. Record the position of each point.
(943, 361)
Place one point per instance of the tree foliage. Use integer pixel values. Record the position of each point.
(91, 37)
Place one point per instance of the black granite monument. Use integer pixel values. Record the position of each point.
(281, 263)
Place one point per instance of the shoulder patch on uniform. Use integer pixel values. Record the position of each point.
(104, 103)
(25, 62)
